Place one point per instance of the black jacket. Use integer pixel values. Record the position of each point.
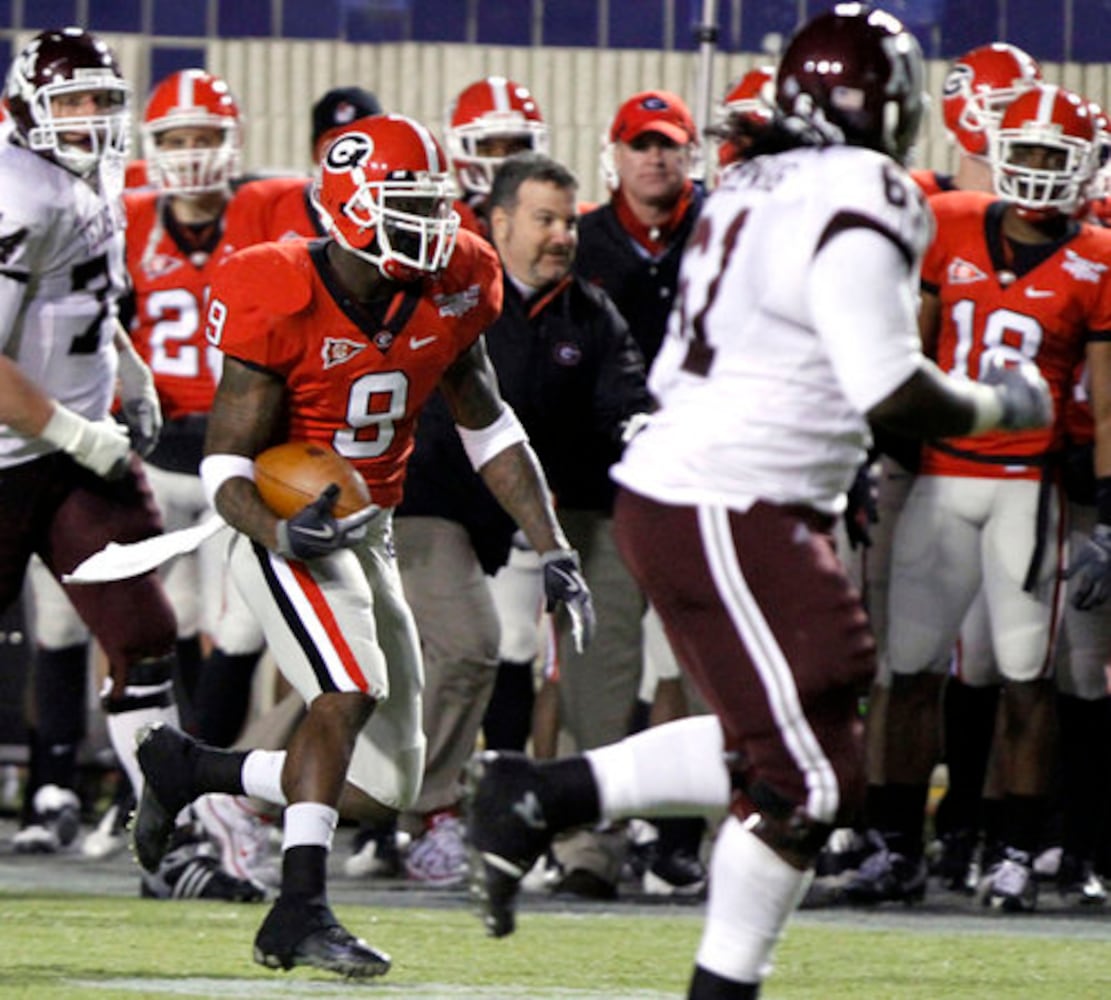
(574, 375)
(642, 289)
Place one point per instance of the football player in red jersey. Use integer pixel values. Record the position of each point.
(977, 89)
(342, 340)
(1013, 278)
(487, 121)
(745, 109)
(280, 208)
(180, 231)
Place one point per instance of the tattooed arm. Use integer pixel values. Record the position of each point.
(242, 422)
(512, 472)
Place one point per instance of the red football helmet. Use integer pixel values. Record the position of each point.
(979, 86)
(493, 108)
(749, 102)
(1100, 186)
(192, 98)
(854, 75)
(1062, 125)
(384, 192)
(56, 65)
(753, 94)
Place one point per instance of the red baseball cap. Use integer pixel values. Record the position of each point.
(654, 111)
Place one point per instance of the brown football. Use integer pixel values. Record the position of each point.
(291, 475)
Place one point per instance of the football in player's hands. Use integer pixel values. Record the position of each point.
(289, 476)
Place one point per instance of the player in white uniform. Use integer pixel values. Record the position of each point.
(70, 484)
(796, 328)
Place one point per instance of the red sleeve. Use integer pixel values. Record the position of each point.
(254, 295)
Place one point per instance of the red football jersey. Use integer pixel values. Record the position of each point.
(1045, 314)
(278, 208)
(355, 384)
(931, 182)
(171, 282)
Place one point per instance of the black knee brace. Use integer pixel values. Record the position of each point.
(149, 684)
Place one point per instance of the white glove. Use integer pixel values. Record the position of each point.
(139, 398)
(100, 445)
(1023, 393)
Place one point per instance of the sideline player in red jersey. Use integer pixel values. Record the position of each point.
(487, 121)
(180, 231)
(1010, 279)
(342, 340)
(280, 208)
(977, 89)
(745, 109)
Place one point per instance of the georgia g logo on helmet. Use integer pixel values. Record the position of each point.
(348, 152)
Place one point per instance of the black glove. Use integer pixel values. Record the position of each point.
(1090, 569)
(315, 531)
(861, 512)
(564, 584)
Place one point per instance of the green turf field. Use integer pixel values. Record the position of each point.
(76, 947)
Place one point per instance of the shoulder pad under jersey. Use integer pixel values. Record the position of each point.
(272, 277)
(872, 185)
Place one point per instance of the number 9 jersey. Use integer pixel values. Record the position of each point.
(795, 316)
(355, 379)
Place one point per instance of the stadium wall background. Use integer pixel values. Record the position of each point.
(581, 58)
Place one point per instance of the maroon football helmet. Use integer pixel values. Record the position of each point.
(855, 75)
(54, 66)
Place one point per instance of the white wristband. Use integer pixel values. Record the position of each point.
(483, 444)
(218, 469)
(988, 407)
(64, 429)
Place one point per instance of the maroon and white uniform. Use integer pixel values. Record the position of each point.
(61, 272)
(770, 364)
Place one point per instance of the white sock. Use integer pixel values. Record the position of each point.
(122, 730)
(752, 893)
(309, 824)
(674, 769)
(262, 775)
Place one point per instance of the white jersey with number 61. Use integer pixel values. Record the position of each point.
(796, 315)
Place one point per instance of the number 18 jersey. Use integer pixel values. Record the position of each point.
(990, 307)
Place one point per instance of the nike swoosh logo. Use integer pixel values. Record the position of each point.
(1039, 293)
(324, 532)
(417, 343)
(530, 812)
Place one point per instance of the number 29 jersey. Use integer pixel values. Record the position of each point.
(353, 384)
(769, 367)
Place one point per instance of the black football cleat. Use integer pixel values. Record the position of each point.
(310, 934)
(506, 832)
(165, 756)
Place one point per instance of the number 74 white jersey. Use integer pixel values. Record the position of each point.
(796, 314)
(61, 274)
